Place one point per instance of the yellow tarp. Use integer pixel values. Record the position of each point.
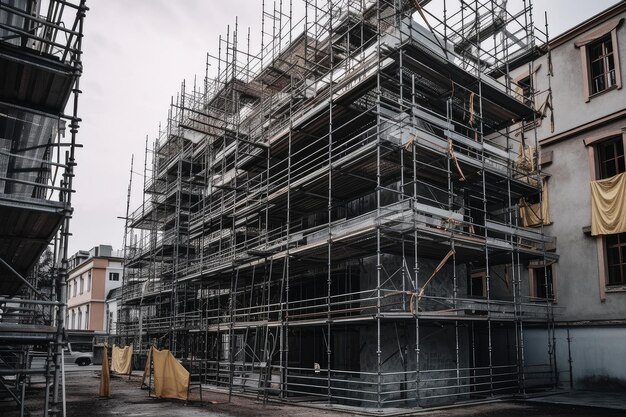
(122, 359)
(608, 205)
(531, 214)
(105, 388)
(171, 379)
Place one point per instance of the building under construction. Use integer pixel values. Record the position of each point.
(348, 215)
(40, 67)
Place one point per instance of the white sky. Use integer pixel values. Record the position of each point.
(136, 54)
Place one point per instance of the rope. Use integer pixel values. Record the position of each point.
(471, 109)
(455, 159)
(441, 264)
(409, 143)
(421, 12)
(547, 105)
(416, 297)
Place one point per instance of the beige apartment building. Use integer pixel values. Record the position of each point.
(93, 274)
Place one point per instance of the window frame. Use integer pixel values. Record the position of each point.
(533, 267)
(482, 275)
(112, 274)
(621, 253)
(592, 142)
(603, 58)
(609, 29)
(601, 161)
(530, 101)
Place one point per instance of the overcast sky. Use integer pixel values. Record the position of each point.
(136, 54)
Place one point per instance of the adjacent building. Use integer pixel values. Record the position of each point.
(577, 86)
(93, 275)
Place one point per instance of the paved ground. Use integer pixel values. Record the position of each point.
(616, 401)
(128, 400)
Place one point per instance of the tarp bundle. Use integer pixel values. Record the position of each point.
(608, 205)
(105, 388)
(122, 359)
(526, 158)
(171, 379)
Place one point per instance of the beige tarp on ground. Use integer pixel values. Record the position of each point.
(122, 359)
(608, 205)
(105, 388)
(531, 214)
(171, 379)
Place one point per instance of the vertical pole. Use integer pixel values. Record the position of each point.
(66, 195)
(125, 277)
(378, 214)
(329, 207)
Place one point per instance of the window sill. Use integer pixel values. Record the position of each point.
(536, 300)
(599, 93)
(615, 288)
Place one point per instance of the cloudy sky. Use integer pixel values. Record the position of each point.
(136, 54)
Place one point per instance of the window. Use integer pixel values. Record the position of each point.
(606, 152)
(616, 259)
(525, 88)
(74, 282)
(610, 157)
(79, 326)
(87, 317)
(602, 65)
(73, 319)
(478, 284)
(611, 163)
(114, 276)
(82, 284)
(541, 282)
(599, 53)
(525, 91)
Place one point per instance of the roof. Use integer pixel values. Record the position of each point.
(588, 24)
(114, 293)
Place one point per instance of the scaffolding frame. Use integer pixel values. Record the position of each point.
(40, 50)
(340, 187)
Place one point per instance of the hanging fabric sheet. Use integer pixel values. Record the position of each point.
(122, 359)
(171, 379)
(608, 205)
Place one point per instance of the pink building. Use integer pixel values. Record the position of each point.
(93, 274)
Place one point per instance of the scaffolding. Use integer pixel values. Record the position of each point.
(40, 67)
(337, 218)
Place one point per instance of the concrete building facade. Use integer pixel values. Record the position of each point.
(93, 275)
(582, 138)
